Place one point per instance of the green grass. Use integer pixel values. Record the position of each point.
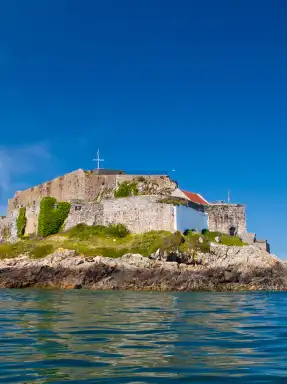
(115, 242)
(96, 241)
(85, 232)
(224, 239)
(41, 250)
(232, 241)
(149, 242)
(13, 250)
(34, 250)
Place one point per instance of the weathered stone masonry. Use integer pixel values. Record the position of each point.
(75, 186)
(226, 217)
(138, 213)
(91, 197)
(85, 186)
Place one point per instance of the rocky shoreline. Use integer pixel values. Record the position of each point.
(223, 269)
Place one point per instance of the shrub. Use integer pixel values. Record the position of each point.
(118, 230)
(205, 231)
(86, 250)
(51, 219)
(189, 231)
(21, 222)
(85, 232)
(126, 189)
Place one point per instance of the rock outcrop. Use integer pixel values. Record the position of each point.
(223, 269)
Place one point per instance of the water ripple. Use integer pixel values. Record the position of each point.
(84, 337)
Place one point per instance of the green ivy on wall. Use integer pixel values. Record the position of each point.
(52, 218)
(21, 222)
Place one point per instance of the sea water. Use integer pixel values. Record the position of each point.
(81, 336)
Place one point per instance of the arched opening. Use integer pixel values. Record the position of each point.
(232, 231)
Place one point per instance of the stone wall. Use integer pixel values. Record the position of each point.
(95, 184)
(263, 244)
(223, 217)
(86, 186)
(32, 214)
(8, 227)
(4, 225)
(138, 213)
(65, 188)
(13, 231)
(90, 214)
(82, 186)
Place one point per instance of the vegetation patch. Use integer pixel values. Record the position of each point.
(126, 189)
(115, 241)
(86, 232)
(31, 248)
(172, 242)
(224, 238)
(41, 250)
(118, 230)
(52, 216)
(21, 222)
(195, 242)
(174, 200)
(149, 242)
(190, 231)
(8, 250)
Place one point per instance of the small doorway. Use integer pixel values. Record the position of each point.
(232, 231)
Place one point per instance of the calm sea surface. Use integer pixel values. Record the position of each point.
(126, 337)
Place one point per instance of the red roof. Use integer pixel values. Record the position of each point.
(195, 197)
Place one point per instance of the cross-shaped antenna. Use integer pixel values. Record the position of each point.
(98, 159)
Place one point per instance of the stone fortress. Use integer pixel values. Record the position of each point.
(154, 207)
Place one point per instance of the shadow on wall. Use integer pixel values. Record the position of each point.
(187, 218)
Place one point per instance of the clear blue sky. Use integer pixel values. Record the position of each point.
(195, 86)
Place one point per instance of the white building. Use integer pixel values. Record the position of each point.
(193, 216)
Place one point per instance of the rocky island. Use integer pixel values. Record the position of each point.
(106, 229)
(181, 263)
